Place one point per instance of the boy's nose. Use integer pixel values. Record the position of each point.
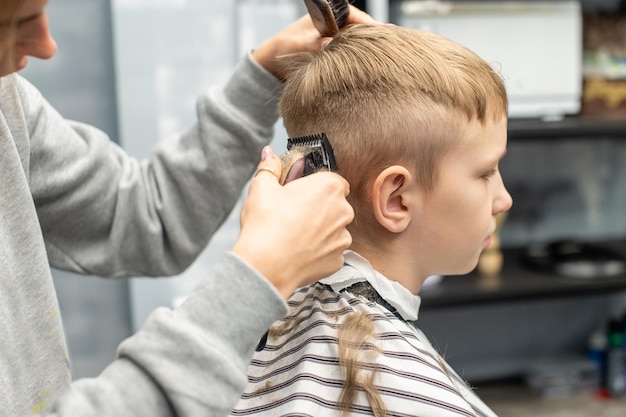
(505, 201)
(35, 39)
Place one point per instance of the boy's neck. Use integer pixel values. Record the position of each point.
(395, 262)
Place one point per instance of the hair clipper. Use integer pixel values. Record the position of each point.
(307, 155)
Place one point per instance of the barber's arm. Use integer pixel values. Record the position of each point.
(153, 217)
(192, 360)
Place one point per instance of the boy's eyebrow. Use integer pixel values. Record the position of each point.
(498, 157)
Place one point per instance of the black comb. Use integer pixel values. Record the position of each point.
(319, 153)
(328, 15)
(341, 10)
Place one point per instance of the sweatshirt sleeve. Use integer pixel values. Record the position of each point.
(107, 214)
(186, 362)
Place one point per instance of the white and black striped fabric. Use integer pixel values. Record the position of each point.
(297, 373)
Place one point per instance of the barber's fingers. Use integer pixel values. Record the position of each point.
(332, 178)
(300, 36)
(294, 234)
(359, 16)
(321, 198)
(270, 164)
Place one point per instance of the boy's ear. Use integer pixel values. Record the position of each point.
(391, 198)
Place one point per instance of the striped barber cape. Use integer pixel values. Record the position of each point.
(355, 319)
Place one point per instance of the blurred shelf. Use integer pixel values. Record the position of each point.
(516, 283)
(567, 128)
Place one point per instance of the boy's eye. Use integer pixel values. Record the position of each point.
(28, 19)
(4, 25)
(489, 174)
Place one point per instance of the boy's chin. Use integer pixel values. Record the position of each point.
(470, 267)
(9, 68)
(21, 63)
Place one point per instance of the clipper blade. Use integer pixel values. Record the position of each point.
(306, 155)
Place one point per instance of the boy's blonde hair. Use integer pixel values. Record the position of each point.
(389, 95)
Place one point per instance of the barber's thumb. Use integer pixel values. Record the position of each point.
(270, 164)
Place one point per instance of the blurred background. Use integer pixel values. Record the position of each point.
(134, 68)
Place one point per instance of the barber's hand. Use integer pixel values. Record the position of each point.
(300, 36)
(294, 234)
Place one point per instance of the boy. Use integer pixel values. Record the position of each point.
(418, 126)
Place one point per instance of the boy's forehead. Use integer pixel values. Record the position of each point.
(491, 134)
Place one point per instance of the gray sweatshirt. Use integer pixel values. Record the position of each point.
(71, 198)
